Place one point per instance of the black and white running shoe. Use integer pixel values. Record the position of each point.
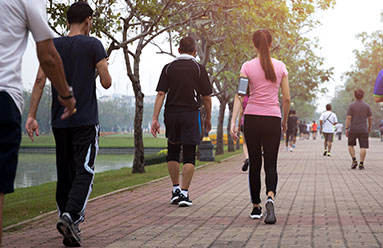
(175, 196)
(256, 213)
(184, 201)
(361, 166)
(67, 228)
(270, 214)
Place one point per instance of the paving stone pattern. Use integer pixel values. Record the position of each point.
(321, 202)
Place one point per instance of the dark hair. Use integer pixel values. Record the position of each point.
(78, 12)
(262, 41)
(328, 107)
(359, 94)
(292, 112)
(187, 45)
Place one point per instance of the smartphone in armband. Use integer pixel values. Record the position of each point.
(243, 86)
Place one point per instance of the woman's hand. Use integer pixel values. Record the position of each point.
(234, 131)
(284, 126)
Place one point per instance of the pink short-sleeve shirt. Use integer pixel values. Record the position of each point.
(263, 99)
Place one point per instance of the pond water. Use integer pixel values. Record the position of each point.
(36, 169)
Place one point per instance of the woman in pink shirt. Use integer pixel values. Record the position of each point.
(263, 120)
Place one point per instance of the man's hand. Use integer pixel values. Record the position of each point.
(70, 107)
(207, 125)
(32, 126)
(234, 131)
(155, 128)
(346, 132)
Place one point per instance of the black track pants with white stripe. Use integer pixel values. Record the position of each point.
(76, 151)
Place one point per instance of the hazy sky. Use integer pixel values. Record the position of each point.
(337, 39)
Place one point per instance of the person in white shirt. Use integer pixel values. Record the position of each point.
(339, 130)
(17, 18)
(327, 121)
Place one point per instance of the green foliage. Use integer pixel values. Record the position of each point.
(155, 159)
(368, 63)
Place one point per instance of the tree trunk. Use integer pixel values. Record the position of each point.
(134, 76)
(230, 141)
(138, 162)
(220, 146)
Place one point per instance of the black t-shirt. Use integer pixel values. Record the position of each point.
(302, 127)
(184, 80)
(79, 55)
(292, 123)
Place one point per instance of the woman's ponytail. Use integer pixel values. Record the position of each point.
(262, 41)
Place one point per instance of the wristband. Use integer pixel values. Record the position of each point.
(69, 96)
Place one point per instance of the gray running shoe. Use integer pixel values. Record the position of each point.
(68, 229)
(270, 214)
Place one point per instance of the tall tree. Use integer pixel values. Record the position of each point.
(131, 26)
(368, 63)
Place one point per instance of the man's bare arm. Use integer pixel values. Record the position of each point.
(155, 129)
(105, 78)
(37, 92)
(207, 103)
(31, 124)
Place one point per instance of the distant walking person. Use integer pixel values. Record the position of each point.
(358, 115)
(240, 129)
(183, 82)
(339, 130)
(17, 18)
(263, 120)
(292, 125)
(327, 121)
(308, 130)
(302, 128)
(76, 137)
(314, 129)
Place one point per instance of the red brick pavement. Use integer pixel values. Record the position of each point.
(321, 202)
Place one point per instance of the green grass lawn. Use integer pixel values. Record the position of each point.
(26, 203)
(110, 141)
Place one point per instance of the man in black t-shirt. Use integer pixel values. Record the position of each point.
(292, 125)
(184, 81)
(358, 115)
(76, 137)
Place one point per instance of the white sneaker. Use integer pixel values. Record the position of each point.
(291, 149)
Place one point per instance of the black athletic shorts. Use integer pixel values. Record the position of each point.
(10, 138)
(328, 137)
(362, 137)
(183, 127)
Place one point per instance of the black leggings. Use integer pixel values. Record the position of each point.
(262, 131)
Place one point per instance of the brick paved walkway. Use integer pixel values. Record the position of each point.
(321, 202)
